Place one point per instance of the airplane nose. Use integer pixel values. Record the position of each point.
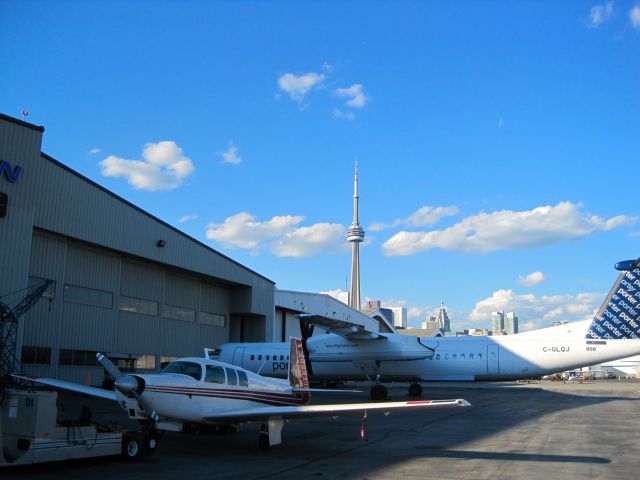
(128, 384)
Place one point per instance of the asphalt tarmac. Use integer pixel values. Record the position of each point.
(537, 430)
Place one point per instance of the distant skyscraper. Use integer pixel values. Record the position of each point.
(510, 323)
(355, 235)
(443, 319)
(497, 322)
(399, 317)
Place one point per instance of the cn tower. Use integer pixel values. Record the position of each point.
(355, 235)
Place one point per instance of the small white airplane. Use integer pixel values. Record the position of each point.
(203, 392)
(349, 352)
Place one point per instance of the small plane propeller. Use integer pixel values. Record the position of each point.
(128, 385)
(109, 366)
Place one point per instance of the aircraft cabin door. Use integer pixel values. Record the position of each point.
(238, 357)
(493, 362)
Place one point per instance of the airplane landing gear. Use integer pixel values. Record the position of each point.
(415, 390)
(263, 439)
(378, 392)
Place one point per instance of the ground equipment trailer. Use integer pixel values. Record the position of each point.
(30, 433)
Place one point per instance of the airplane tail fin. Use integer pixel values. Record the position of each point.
(619, 315)
(298, 377)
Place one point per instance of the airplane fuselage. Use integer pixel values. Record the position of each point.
(397, 357)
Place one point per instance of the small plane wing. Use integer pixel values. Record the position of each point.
(349, 330)
(73, 387)
(262, 413)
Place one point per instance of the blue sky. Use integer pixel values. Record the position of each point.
(498, 142)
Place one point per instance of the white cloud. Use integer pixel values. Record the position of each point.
(600, 14)
(532, 279)
(244, 231)
(280, 235)
(536, 312)
(94, 151)
(424, 216)
(340, 114)
(231, 155)
(634, 16)
(188, 218)
(487, 232)
(306, 241)
(163, 167)
(298, 86)
(355, 95)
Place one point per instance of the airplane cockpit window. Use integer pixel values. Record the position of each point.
(242, 378)
(232, 378)
(184, 368)
(214, 374)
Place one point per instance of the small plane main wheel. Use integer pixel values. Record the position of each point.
(131, 449)
(263, 442)
(415, 389)
(151, 444)
(378, 392)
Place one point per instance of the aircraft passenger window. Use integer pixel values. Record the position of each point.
(267, 357)
(259, 357)
(454, 356)
(471, 356)
(480, 356)
(462, 356)
(215, 374)
(281, 357)
(287, 357)
(232, 377)
(446, 356)
(437, 356)
(242, 377)
(253, 357)
(185, 368)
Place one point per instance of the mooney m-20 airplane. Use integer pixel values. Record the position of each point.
(202, 392)
(349, 352)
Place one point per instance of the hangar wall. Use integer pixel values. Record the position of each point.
(125, 282)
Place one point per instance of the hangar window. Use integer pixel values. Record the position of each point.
(138, 305)
(78, 358)
(214, 374)
(89, 296)
(184, 368)
(215, 319)
(232, 377)
(146, 362)
(179, 313)
(35, 355)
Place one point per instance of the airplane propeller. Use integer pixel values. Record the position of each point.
(109, 366)
(128, 385)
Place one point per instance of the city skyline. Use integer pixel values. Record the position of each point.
(496, 142)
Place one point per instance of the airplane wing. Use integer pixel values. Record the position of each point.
(349, 330)
(74, 387)
(263, 413)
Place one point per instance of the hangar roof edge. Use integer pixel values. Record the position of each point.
(153, 217)
(22, 123)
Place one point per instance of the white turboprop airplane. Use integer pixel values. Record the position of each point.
(349, 352)
(203, 392)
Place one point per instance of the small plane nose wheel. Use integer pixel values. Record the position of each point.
(415, 390)
(378, 392)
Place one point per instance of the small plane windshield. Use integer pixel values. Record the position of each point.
(185, 368)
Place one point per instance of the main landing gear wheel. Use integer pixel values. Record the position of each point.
(378, 392)
(415, 389)
(263, 438)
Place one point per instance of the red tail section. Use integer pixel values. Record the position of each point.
(298, 377)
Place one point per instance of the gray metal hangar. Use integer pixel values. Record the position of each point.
(123, 281)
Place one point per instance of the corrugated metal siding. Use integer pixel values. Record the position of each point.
(182, 291)
(142, 280)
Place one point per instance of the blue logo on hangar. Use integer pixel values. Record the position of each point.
(11, 173)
